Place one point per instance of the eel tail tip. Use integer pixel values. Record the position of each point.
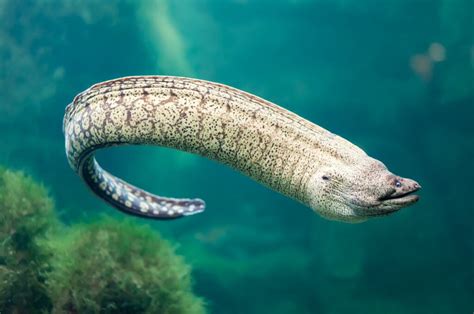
(197, 207)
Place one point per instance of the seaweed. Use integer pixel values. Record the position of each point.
(107, 266)
(112, 266)
(26, 221)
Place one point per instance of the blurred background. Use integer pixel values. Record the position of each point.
(394, 77)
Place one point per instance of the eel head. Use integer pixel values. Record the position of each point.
(355, 193)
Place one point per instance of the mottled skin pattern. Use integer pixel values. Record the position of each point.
(262, 140)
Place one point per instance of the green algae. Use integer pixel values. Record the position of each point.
(108, 266)
(111, 266)
(26, 221)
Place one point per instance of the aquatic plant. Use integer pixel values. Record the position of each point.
(107, 266)
(111, 266)
(26, 219)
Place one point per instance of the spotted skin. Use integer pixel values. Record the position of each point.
(260, 139)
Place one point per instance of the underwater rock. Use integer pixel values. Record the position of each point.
(26, 219)
(111, 266)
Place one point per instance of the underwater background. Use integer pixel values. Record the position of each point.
(394, 77)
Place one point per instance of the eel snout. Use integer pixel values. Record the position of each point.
(401, 192)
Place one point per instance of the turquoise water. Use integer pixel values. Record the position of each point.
(394, 77)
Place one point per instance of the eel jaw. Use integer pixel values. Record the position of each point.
(397, 199)
(392, 201)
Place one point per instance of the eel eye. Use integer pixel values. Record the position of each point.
(325, 178)
(398, 184)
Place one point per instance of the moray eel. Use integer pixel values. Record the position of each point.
(273, 146)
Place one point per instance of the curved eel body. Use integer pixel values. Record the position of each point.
(262, 140)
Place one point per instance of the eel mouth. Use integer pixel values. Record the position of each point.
(401, 198)
(396, 199)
